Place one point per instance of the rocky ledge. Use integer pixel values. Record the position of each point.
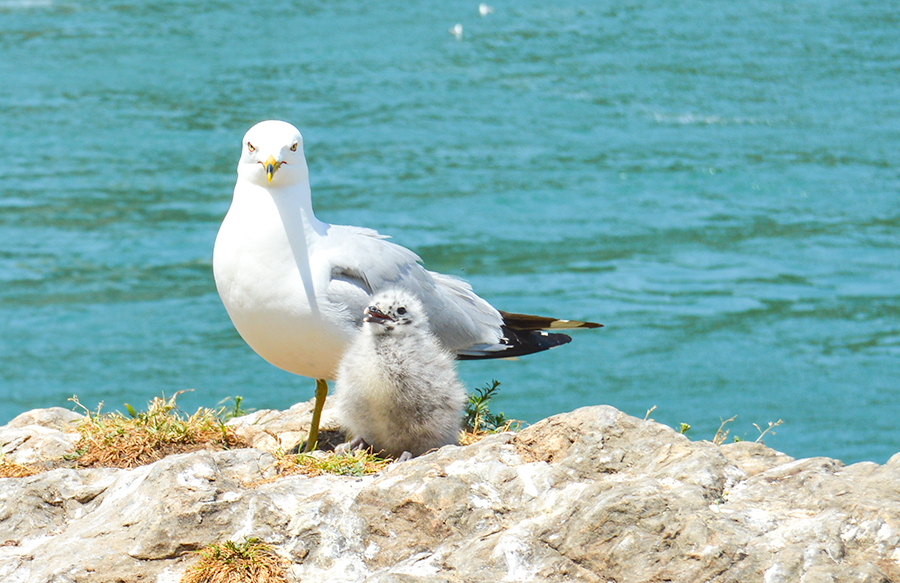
(593, 495)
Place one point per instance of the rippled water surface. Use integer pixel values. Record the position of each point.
(718, 183)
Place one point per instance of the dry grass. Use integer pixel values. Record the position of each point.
(721, 432)
(114, 440)
(354, 463)
(475, 434)
(762, 432)
(11, 469)
(251, 561)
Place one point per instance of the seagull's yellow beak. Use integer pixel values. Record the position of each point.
(271, 166)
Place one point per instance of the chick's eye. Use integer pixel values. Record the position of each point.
(251, 147)
(294, 147)
(401, 311)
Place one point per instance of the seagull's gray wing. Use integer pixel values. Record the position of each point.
(364, 263)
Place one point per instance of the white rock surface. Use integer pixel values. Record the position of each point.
(593, 495)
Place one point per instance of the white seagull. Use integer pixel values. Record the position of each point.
(296, 287)
(396, 388)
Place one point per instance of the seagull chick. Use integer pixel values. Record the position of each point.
(396, 387)
(295, 287)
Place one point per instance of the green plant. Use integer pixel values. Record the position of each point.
(225, 412)
(479, 421)
(478, 416)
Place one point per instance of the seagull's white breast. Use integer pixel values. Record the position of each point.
(263, 273)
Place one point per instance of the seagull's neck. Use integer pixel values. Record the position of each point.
(294, 204)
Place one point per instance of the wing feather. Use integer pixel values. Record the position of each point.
(364, 263)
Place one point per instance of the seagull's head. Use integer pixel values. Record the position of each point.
(394, 310)
(272, 155)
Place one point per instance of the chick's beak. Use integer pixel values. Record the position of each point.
(373, 314)
(271, 166)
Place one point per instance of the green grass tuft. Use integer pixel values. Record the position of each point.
(236, 410)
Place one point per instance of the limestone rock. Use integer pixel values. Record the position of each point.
(273, 430)
(593, 495)
(40, 434)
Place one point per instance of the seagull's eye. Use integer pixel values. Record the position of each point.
(250, 147)
(401, 310)
(294, 147)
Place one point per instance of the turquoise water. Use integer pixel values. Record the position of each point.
(718, 183)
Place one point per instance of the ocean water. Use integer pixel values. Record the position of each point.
(718, 183)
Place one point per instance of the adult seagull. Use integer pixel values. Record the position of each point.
(296, 288)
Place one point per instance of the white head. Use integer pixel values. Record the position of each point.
(272, 155)
(392, 311)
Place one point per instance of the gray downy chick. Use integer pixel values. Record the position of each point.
(396, 387)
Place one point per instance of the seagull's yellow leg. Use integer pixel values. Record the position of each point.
(321, 393)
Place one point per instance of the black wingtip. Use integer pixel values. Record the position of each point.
(519, 343)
